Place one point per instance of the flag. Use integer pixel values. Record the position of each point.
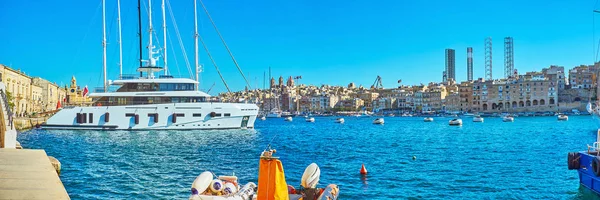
(85, 91)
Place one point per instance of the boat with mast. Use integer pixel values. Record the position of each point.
(151, 102)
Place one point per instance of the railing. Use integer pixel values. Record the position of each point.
(7, 108)
(137, 76)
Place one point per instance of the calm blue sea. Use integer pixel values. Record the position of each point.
(525, 159)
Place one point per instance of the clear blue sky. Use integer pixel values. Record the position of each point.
(326, 42)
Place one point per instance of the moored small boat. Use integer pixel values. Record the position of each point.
(378, 121)
(339, 120)
(263, 118)
(562, 117)
(428, 119)
(310, 119)
(288, 118)
(508, 118)
(477, 118)
(455, 122)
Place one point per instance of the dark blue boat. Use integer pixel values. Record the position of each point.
(587, 164)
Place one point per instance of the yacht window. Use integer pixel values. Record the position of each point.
(91, 117)
(180, 115)
(197, 115)
(129, 114)
(227, 114)
(218, 115)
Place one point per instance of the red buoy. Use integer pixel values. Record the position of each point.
(363, 170)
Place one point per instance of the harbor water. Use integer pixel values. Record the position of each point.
(524, 159)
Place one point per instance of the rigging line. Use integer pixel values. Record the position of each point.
(174, 53)
(214, 63)
(225, 44)
(187, 61)
(94, 17)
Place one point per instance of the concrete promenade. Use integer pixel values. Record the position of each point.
(28, 174)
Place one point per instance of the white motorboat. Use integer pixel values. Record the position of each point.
(152, 100)
(428, 119)
(274, 114)
(508, 118)
(563, 117)
(310, 119)
(288, 118)
(455, 122)
(477, 118)
(378, 121)
(263, 118)
(339, 120)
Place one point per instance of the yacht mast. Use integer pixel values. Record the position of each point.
(150, 33)
(120, 40)
(165, 38)
(140, 32)
(196, 45)
(104, 42)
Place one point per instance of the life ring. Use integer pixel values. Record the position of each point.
(596, 165)
(573, 160)
(213, 114)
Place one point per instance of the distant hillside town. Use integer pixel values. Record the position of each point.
(548, 90)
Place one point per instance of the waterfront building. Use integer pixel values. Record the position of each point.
(531, 92)
(368, 98)
(465, 91)
(435, 97)
(556, 74)
(37, 100)
(51, 94)
(583, 76)
(18, 85)
(76, 96)
(452, 102)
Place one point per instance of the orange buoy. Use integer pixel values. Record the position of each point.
(363, 170)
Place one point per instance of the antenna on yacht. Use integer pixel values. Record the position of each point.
(120, 39)
(104, 42)
(196, 46)
(165, 38)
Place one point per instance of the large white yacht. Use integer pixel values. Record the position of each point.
(146, 102)
(154, 103)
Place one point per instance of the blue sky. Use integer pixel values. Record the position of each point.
(326, 42)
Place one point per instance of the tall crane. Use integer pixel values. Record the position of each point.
(377, 84)
(296, 78)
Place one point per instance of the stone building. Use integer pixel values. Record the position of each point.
(75, 95)
(532, 92)
(51, 93)
(37, 100)
(18, 84)
(452, 102)
(582, 76)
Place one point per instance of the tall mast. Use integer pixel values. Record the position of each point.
(165, 38)
(120, 40)
(104, 42)
(196, 46)
(140, 32)
(149, 32)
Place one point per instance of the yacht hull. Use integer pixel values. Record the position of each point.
(173, 116)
